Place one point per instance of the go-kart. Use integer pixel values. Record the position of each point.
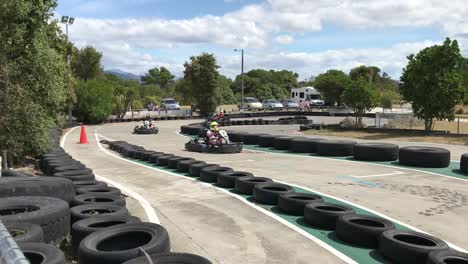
(200, 145)
(145, 131)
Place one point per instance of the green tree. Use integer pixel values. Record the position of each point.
(125, 93)
(94, 100)
(386, 101)
(201, 74)
(432, 82)
(226, 95)
(332, 85)
(35, 80)
(361, 96)
(369, 73)
(86, 63)
(161, 76)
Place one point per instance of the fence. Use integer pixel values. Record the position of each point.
(409, 121)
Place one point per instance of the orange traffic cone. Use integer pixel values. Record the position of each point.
(83, 138)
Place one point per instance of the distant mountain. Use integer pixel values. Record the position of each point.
(124, 75)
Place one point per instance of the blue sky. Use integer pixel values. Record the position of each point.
(308, 37)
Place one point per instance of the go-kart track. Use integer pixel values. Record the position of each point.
(226, 227)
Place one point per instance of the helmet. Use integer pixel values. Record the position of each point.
(213, 124)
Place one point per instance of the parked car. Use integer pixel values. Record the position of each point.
(290, 103)
(272, 104)
(170, 104)
(250, 103)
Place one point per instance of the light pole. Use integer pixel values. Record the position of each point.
(68, 21)
(242, 78)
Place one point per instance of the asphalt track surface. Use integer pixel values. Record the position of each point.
(208, 221)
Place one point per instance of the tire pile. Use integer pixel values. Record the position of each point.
(70, 204)
(396, 245)
(194, 129)
(413, 156)
(155, 118)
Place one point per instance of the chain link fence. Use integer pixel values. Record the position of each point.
(409, 121)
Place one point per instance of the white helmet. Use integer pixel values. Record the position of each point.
(146, 122)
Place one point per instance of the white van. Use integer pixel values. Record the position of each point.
(304, 93)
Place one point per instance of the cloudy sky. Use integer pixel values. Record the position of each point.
(306, 36)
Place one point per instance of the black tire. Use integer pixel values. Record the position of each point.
(155, 156)
(447, 257)
(268, 193)
(210, 173)
(174, 162)
(82, 228)
(52, 214)
(325, 215)
(376, 152)
(40, 253)
(37, 186)
(146, 155)
(170, 258)
(338, 148)
(80, 177)
(306, 145)
(464, 163)
(25, 232)
(196, 168)
(91, 210)
(184, 165)
(408, 247)
(293, 203)
(10, 173)
(362, 230)
(164, 160)
(228, 179)
(426, 157)
(74, 172)
(73, 167)
(97, 189)
(266, 141)
(94, 183)
(237, 136)
(90, 198)
(245, 185)
(283, 143)
(120, 243)
(252, 139)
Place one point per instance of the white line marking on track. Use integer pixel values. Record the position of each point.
(379, 175)
(277, 218)
(149, 210)
(371, 211)
(362, 207)
(152, 216)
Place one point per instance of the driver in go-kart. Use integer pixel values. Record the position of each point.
(215, 135)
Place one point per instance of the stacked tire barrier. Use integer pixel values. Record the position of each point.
(194, 129)
(155, 118)
(360, 230)
(43, 211)
(413, 156)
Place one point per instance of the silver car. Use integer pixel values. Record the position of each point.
(271, 104)
(170, 104)
(290, 103)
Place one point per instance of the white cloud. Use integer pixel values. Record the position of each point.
(284, 39)
(391, 60)
(254, 27)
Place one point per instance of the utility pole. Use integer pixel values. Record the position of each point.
(242, 77)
